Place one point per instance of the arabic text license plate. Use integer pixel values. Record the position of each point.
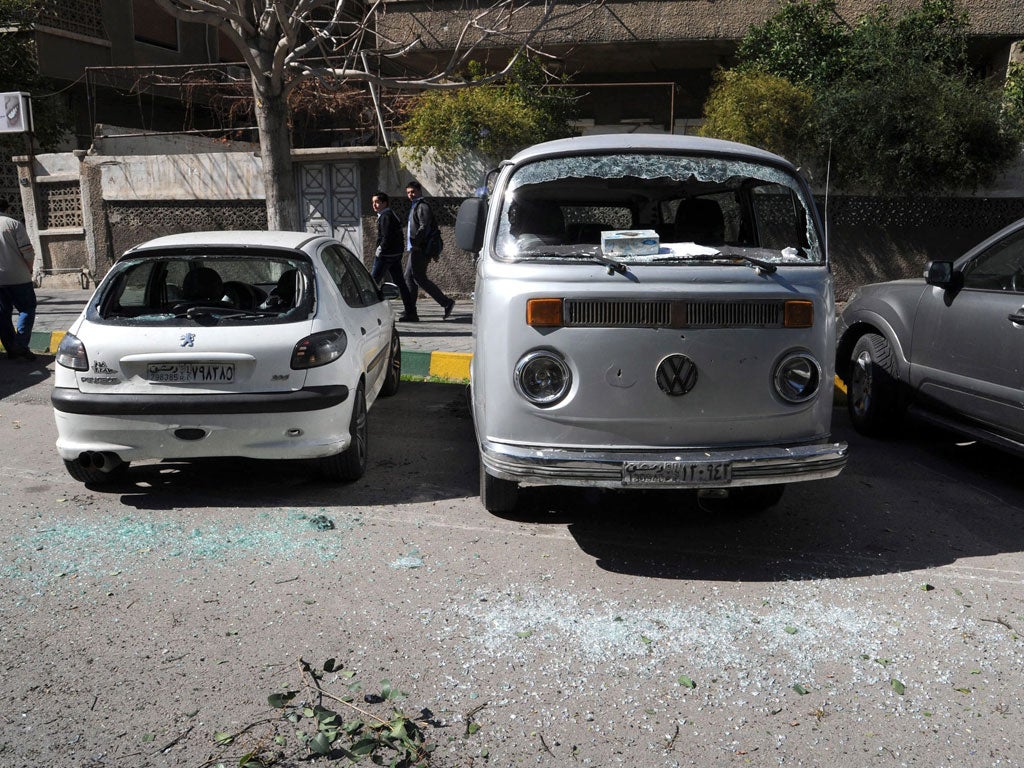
(675, 472)
(191, 373)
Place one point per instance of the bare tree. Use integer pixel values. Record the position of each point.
(284, 42)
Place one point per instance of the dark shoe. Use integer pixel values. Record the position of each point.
(24, 354)
(448, 308)
(407, 318)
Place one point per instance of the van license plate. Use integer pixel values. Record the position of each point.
(191, 373)
(676, 473)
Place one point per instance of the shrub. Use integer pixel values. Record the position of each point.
(758, 108)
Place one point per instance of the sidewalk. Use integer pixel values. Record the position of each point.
(432, 347)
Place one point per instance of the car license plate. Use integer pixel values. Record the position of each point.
(191, 373)
(676, 473)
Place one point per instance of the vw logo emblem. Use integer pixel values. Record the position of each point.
(188, 340)
(676, 375)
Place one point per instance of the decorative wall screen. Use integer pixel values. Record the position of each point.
(60, 205)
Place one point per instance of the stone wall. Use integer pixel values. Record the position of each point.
(131, 222)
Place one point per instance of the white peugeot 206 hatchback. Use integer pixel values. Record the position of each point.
(266, 345)
(651, 312)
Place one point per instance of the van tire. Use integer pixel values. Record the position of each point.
(498, 496)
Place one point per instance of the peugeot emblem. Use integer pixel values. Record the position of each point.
(677, 375)
(188, 339)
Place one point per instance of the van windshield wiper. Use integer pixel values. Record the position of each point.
(759, 264)
(612, 264)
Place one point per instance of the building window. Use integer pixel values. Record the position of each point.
(227, 51)
(153, 25)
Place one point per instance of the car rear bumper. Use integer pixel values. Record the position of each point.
(69, 400)
(253, 426)
(604, 468)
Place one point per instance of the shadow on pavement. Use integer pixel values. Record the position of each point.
(922, 501)
(21, 375)
(421, 448)
(919, 502)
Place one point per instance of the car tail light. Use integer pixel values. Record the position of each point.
(544, 313)
(71, 353)
(319, 349)
(797, 377)
(543, 377)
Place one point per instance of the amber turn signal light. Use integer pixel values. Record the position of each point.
(798, 314)
(544, 313)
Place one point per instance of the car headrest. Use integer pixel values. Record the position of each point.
(202, 284)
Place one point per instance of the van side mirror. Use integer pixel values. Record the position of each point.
(469, 224)
(940, 274)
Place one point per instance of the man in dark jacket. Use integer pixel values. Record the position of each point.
(388, 258)
(421, 226)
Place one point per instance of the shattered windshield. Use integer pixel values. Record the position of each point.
(659, 209)
(214, 288)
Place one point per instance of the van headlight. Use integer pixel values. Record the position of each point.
(797, 377)
(543, 377)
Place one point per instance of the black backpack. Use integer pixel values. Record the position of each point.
(434, 246)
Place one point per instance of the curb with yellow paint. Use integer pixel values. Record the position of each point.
(44, 341)
(451, 366)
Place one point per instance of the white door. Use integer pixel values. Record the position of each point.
(329, 201)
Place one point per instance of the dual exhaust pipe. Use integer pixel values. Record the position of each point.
(104, 461)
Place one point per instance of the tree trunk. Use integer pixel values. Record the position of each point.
(276, 153)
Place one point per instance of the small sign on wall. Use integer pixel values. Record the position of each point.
(17, 112)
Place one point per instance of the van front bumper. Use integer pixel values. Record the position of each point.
(663, 468)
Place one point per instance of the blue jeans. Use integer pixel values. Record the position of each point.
(21, 297)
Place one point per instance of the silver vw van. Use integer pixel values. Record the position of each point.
(651, 312)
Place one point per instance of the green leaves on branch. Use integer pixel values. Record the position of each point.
(492, 119)
(757, 108)
(20, 68)
(1013, 99)
(324, 723)
(891, 100)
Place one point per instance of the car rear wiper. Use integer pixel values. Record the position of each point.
(223, 313)
(248, 314)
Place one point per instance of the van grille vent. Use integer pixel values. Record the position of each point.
(615, 313)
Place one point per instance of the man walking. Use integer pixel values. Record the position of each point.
(421, 226)
(388, 258)
(16, 290)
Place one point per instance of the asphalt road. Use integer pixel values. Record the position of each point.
(874, 619)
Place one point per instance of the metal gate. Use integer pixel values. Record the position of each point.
(329, 202)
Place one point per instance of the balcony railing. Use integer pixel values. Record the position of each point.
(83, 17)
